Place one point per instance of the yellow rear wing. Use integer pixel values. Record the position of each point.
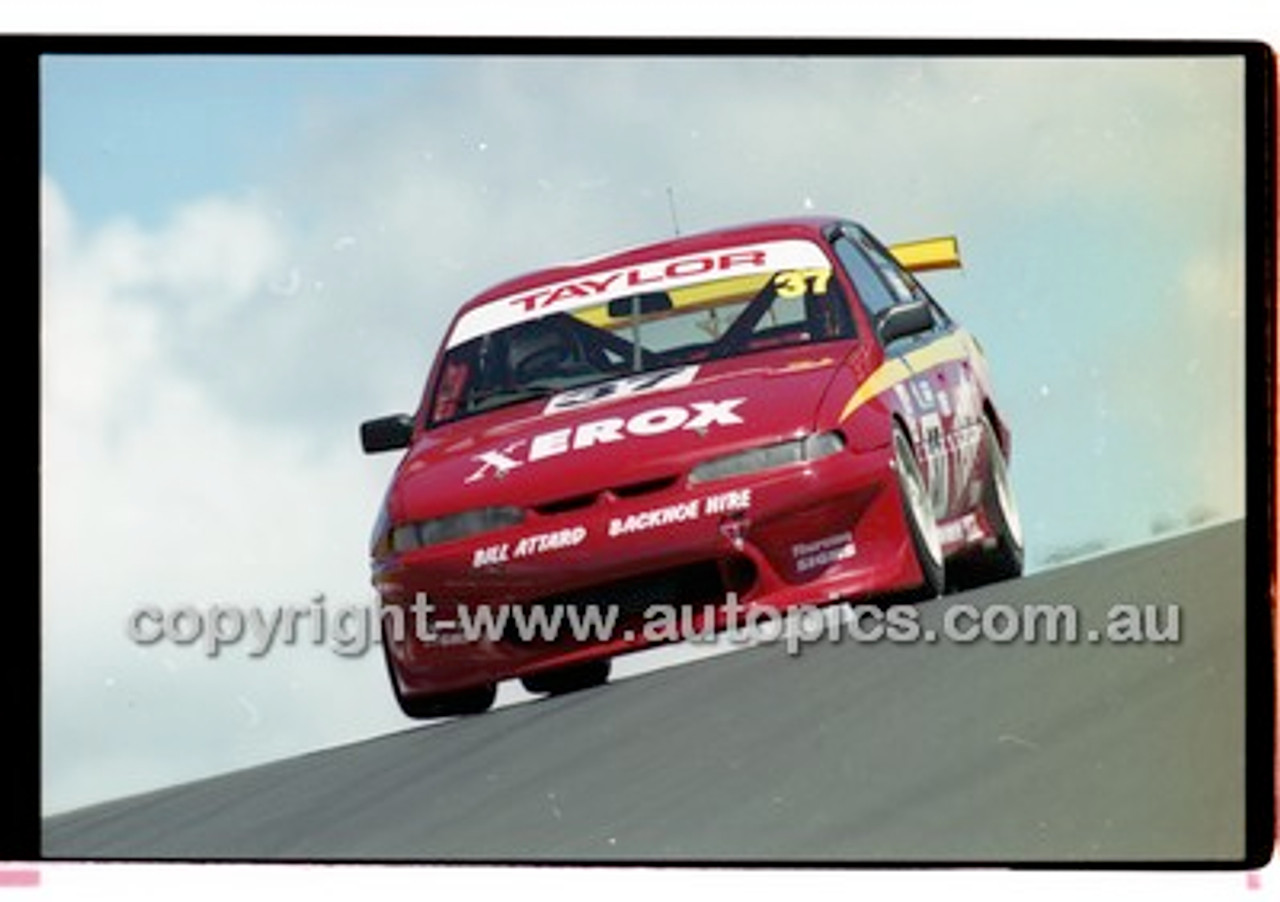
(927, 254)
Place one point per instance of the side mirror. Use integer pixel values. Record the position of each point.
(386, 433)
(902, 320)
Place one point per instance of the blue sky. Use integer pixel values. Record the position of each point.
(244, 256)
(136, 134)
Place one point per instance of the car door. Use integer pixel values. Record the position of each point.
(934, 360)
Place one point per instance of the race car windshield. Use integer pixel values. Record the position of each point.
(655, 330)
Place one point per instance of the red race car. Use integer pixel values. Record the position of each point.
(770, 415)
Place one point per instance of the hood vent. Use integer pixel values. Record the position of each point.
(632, 489)
(629, 490)
(564, 505)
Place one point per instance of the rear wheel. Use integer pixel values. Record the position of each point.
(1003, 559)
(921, 524)
(568, 679)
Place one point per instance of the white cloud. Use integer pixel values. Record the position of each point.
(92, 350)
(154, 494)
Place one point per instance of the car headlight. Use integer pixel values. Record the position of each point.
(807, 448)
(418, 534)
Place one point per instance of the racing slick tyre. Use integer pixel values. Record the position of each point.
(441, 704)
(1003, 559)
(448, 704)
(568, 679)
(922, 526)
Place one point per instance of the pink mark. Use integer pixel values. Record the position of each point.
(10, 877)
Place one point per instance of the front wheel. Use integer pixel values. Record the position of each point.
(921, 524)
(448, 704)
(439, 704)
(568, 679)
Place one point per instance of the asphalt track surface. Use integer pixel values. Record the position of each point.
(847, 753)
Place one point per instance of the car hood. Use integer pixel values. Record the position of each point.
(617, 436)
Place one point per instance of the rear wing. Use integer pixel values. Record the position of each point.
(927, 254)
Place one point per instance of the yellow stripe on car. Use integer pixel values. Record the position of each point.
(955, 346)
(887, 375)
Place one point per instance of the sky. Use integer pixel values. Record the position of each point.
(243, 257)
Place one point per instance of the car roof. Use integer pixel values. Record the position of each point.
(793, 227)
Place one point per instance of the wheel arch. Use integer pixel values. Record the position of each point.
(1003, 435)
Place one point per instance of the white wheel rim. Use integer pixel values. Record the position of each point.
(918, 502)
(1004, 492)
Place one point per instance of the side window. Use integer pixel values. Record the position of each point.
(901, 285)
(904, 287)
(872, 290)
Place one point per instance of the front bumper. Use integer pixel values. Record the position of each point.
(805, 533)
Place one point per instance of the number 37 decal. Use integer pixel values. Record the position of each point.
(795, 282)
